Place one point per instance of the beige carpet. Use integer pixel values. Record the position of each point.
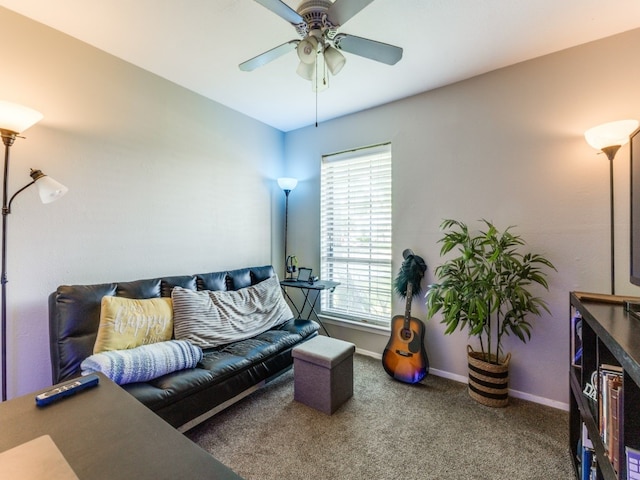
(388, 430)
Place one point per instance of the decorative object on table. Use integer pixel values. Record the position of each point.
(287, 184)
(291, 267)
(608, 138)
(15, 119)
(304, 274)
(404, 357)
(317, 22)
(487, 290)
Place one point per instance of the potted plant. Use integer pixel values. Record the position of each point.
(486, 288)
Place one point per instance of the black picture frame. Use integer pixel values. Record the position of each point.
(304, 274)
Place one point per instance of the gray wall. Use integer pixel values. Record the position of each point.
(507, 146)
(161, 182)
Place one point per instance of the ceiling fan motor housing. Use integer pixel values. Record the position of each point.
(314, 13)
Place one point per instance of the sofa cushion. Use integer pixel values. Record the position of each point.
(145, 362)
(213, 318)
(129, 323)
(212, 281)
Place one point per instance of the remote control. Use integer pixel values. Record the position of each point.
(66, 389)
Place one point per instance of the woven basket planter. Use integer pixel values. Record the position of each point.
(488, 382)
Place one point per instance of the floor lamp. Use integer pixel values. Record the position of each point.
(15, 119)
(286, 184)
(608, 138)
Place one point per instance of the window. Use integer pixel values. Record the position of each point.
(355, 229)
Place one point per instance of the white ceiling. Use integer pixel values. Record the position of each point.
(199, 43)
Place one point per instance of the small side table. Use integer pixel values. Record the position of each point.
(323, 373)
(318, 286)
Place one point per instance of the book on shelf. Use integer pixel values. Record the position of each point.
(585, 455)
(586, 441)
(585, 464)
(633, 463)
(590, 391)
(610, 394)
(614, 386)
(594, 469)
(576, 339)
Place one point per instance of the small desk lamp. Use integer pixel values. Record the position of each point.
(14, 119)
(608, 138)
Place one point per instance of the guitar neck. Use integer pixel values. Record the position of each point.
(407, 310)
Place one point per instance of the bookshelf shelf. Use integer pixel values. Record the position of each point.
(608, 339)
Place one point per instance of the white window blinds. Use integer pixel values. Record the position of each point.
(355, 233)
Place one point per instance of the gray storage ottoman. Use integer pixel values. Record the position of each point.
(323, 373)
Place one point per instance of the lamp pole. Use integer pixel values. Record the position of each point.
(286, 184)
(286, 227)
(49, 190)
(7, 139)
(610, 152)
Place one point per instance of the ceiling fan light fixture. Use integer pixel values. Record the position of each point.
(306, 70)
(308, 49)
(334, 59)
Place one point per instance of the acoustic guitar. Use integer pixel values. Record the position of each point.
(404, 357)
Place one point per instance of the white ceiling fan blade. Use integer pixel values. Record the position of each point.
(342, 10)
(268, 56)
(282, 10)
(378, 51)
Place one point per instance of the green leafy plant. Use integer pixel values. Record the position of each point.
(486, 287)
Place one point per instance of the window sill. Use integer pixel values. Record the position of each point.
(365, 327)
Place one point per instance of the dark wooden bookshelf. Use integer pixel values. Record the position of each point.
(610, 335)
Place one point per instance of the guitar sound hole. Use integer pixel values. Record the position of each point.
(406, 334)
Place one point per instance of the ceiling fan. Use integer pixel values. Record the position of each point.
(317, 22)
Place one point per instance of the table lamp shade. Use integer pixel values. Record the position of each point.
(49, 189)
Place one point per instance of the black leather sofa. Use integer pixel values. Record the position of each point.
(184, 398)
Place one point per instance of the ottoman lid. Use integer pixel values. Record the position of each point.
(324, 351)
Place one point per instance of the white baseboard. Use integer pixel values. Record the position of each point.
(463, 379)
(541, 400)
(367, 353)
